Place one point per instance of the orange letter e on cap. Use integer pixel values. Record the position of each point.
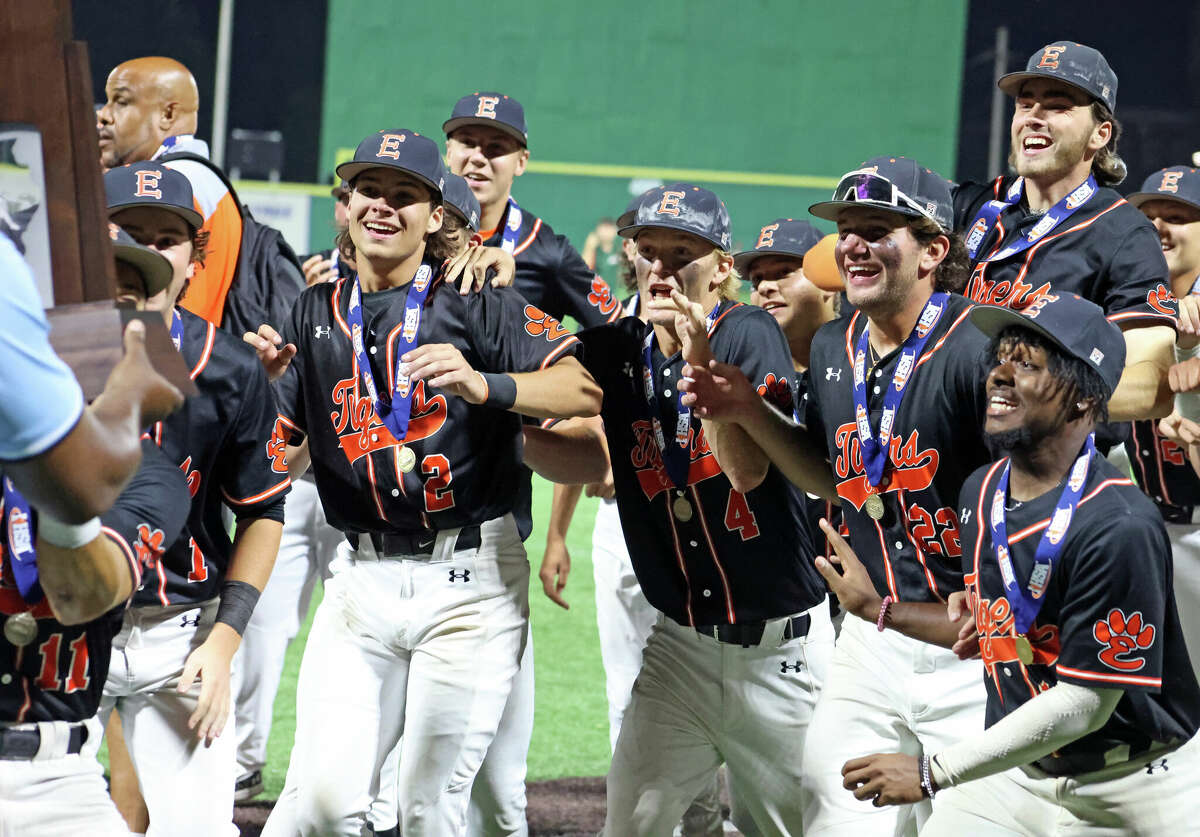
(147, 184)
(669, 205)
(487, 106)
(1170, 181)
(1050, 57)
(389, 146)
(766, 238)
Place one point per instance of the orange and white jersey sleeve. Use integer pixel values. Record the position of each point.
(223, 222)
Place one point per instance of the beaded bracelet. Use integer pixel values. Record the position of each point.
(927, 778)
(883, 609)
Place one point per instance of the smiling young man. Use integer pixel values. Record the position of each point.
(1059, 226)
(406, 395)
(739, 649)
(896, 418)
(1092, 704)
(196, 597)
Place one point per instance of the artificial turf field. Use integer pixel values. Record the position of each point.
(570, 732)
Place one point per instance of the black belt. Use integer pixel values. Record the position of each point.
(747, 634)
(22, 744)
(416, 543)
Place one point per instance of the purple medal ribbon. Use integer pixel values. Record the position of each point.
(985, 220)
(677, 457)
(875, 448)
(1027, 601)
(394, 411)
(22, 552)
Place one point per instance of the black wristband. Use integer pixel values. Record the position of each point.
(501, 390)
(238, 599)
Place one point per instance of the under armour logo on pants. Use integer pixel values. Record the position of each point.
(785, 667)
(464, 575)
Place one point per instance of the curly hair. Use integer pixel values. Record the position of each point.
(952, 273)
(1082, 382)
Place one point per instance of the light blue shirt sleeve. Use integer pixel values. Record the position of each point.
(40, 400)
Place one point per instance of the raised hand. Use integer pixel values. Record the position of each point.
(473, 264)
(443, 366)
(272, 354)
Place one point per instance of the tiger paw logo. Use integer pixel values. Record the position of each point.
(277, 448)
(1162, 300)
(539, 323)
(601, 296)
(1123, 636)
(149, 545)
(776, 390)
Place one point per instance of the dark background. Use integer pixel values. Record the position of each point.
(279, 49)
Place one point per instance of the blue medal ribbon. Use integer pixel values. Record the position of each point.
(1026, 602)
(177, 329)
(394, 411)
(874, 447)
(676, 457)
(512, 226)
(986, 218)
(22, 551)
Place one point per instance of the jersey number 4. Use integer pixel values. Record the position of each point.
(77, 675)
(739, 518)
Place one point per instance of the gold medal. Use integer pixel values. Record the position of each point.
(874, 506)
(682, 509)
(1024, 649)
(21, 628)
(408, 459)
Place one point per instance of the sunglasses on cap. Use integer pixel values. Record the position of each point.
(869, 188)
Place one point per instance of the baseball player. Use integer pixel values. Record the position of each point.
(895, 415)
(487, 143)
(152, 111)
(1170, 198)
(63, 586)
(196, 598)
(1092, 705)
(397, 385)
(1058, 226)
(738, 651)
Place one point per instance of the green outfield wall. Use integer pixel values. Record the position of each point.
(764, 102)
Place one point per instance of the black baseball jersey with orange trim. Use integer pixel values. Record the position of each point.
(468, 456)
(814, 507)
(1161, 467)
(553, 276)
(226, 442)
(740, 557)
(60, 675)
(912, 552)
(1108, 618)
(1106, 252)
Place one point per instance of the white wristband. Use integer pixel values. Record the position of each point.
(67, 535)
(1186, 354)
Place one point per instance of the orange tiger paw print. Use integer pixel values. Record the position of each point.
(1123, 635)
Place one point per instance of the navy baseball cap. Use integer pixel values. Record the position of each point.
(153, 266)
(458, 197)
(781, 237)
(897, 184)
(1174, 183)
(402, 150)
(494, 109)
(678, 206)
(151, 184)
(1069, 321)
(1075, 64)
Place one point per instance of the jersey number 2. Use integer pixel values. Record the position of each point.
(438, 495)
(77, 678)
(739, 518)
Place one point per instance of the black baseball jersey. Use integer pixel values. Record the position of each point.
(553, 276)
(1161, 467)
(814, 508)
(468, 457)
(1108, 618)
(912, 553)
(740, 557)
(226, 441)
(1106, 252)
(60, 675)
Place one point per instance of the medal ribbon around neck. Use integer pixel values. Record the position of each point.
(676, 457)
(22, 551)
(986, 218)
(874, 448)
(512, 226)
(394, 411)
(1027, 601)
(177, 329)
